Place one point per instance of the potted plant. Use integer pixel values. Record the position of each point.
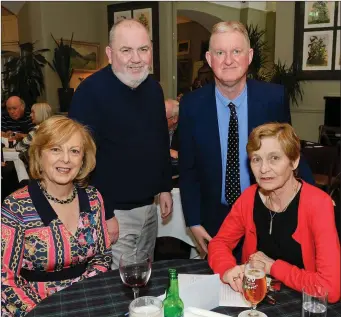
(278, 73)
(61, 64)
(284, 75)
(23, 75)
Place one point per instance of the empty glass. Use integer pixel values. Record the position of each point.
(314, 301)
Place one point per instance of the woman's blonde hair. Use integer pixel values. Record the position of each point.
(285, 135)
(42, 111)
(56, 131)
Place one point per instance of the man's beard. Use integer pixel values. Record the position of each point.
(129, 81)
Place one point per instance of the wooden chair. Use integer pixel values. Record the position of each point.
(323, 161)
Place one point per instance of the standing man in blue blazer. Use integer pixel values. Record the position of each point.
(214, 124)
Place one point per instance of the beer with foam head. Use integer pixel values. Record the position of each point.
(254, 285)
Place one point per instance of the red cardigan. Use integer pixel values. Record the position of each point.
(315, 232)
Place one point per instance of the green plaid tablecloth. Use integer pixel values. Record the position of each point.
(106, 296)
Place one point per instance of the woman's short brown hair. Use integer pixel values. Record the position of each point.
(56, 131)
(285, 135)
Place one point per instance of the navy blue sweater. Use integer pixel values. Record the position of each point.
(131, 134)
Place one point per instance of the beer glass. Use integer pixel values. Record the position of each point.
(254, 287)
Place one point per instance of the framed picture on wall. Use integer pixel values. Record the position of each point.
(84, 56)
(121, 15)
(145, 17)
(316, 43)
(184, 47)
(146, 12)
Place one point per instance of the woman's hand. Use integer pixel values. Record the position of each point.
(260, 256)
(234, 277)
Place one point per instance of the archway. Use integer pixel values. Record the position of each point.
(193, 32)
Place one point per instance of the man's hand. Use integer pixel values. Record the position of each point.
(234, 277)
(174, 154)
(260, 256)
(113, 229)
(166, 204)
(202, 237)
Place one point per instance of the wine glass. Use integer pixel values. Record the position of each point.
(254, 287)
(135, 269)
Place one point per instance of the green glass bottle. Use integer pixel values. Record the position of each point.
(173, 305)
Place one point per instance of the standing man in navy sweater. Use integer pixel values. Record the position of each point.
(124, 108)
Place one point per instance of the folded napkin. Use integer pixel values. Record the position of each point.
(198, 312)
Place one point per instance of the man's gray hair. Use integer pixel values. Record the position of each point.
(124, 21)
(230, 26)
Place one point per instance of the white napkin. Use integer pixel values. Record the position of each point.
(198, 312)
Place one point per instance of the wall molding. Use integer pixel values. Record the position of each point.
(257, 5)
(307, 110)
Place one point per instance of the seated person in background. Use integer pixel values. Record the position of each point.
(287, 223)
(196, 84)
(39, 113)
(54, 232)
(15, 119)
(182, 93)
(172, 113)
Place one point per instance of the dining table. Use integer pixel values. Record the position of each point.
(105, 295)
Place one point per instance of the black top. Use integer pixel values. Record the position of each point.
(279, 245)
(131, 134)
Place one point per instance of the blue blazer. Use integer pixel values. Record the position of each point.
(200, 152)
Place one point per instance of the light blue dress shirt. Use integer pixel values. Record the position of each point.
(223, 112)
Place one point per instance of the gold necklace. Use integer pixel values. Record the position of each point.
(272, 216)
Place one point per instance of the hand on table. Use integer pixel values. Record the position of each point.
(166, 204)
(202, 237)
(234, 277)
(113, 229)
(260, 256)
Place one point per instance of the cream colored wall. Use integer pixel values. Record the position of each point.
(307, 117)
(219, 11)
(88, 21)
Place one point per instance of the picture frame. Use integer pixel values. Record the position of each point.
(85, 56)
(146, 12)
(315, 42)
(122, 15)
(183, 47)
(338, 55)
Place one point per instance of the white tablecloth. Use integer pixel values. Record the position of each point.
(12, 155)
(175, 226)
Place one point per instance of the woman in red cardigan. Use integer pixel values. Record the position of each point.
(287, 223)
